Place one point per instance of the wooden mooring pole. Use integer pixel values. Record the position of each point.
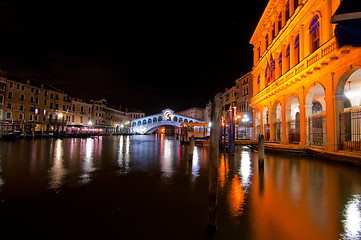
(213, 165)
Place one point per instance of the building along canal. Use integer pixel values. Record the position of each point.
(143, 187)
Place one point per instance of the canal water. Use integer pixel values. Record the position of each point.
(142, 187)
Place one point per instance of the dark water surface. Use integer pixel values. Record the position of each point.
(142, 187)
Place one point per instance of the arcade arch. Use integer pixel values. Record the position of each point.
(348, 110)
(258, 123)
(315, 108)
(277, 121)
(293, 119)
(266, 124)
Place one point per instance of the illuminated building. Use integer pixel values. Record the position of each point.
(102, 115)
(80, 113)
(32, 108)
(228, 100)
(306, 88)
(2, 93)
(244, 93)
(194, 112)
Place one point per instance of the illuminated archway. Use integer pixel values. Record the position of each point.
(258, 123)
(316, 116)
(277, 121)
(266, 124)
(348, 110)
(293, 119)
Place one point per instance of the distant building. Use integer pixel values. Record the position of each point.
(2, 93)
(193, 112)
(134, 114)
(228, 100)
(81, 113)
(244, 94)
(207, 112)
(31, 107)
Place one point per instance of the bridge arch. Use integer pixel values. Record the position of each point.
(167, 117)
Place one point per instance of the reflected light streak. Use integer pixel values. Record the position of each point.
(245, 169)
(236, 197)
(57, 171)
(223, 170)
(88, 161)
(1, 180)
(195, 164)
(123, 155)
(352, 219)
(166, 158)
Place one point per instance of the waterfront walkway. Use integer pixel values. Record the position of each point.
(347, 157)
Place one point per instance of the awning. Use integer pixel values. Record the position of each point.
(348, 19)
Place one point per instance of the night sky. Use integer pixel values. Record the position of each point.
(143, 55)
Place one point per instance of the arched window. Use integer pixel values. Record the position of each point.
(144, 122)
(139, 123)
(314, 33)
(160, 118)
(287, 12)
(175, 119)
(185, 120)
(316, 107)
(180, 119)
(1, 99)
(149, 120)
(297, 49)
(280, 62)
(288, 57)
(134, 124)
(190, 121)
(22, 97)
(154, 119)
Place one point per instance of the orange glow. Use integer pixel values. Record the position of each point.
(236, 197)
(223, 171)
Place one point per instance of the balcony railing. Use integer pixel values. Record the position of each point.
(307, 65)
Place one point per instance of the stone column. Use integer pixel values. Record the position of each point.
(292, 52)
(271, 120)
(284, 122)
(303, 130)
(301, 43)
(331, 144)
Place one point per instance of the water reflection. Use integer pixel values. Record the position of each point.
(167, 156)
(352, 219)
(88, 161)
(195, 164)
(245, 170)
(57, 171)
(124, 155)
(291, 198)
(1, 172)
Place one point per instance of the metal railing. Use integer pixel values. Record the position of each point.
(277, 126)
(317, 134)
(294, 131)
(350, 130)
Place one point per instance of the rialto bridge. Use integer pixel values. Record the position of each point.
(167, 117)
